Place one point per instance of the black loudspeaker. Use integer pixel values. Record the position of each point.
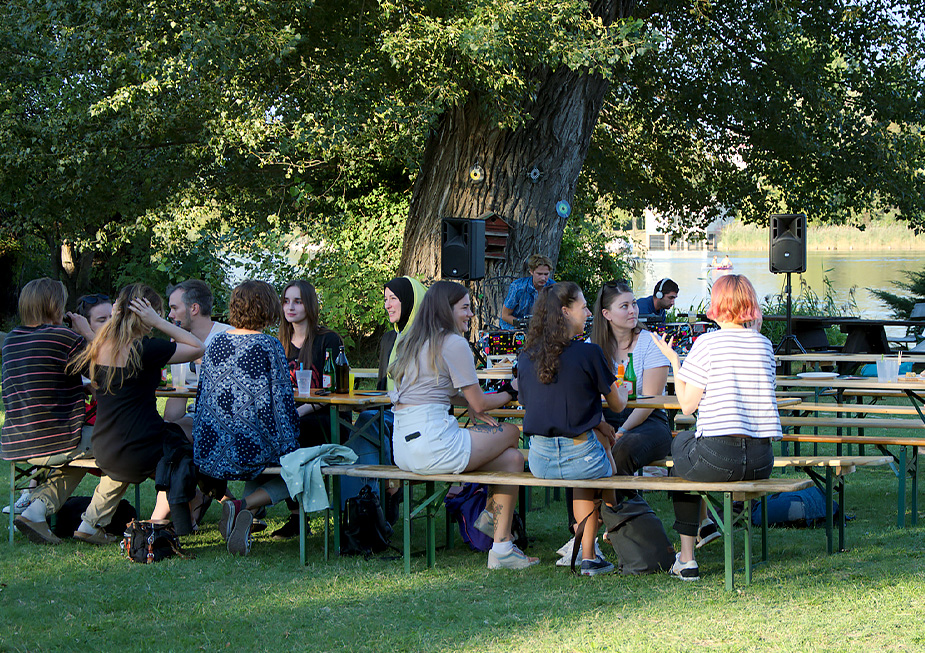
(788, 244)
(462, 248)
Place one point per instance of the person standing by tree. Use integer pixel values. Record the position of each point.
(522, 293)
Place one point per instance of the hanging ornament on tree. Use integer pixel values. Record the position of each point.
(563, 208)
(476, 174)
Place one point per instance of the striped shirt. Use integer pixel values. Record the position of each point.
(736, 369)
(44, 405)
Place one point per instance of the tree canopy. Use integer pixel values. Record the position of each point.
(144, 140)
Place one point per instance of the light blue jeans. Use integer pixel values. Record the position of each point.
(567, 458)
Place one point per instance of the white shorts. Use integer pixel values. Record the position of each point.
(428, 440)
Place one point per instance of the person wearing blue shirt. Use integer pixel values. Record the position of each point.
(658, 303)
(520, 296)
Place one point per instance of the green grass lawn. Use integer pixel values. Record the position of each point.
(76, 597)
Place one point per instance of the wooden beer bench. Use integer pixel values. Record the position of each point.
(726, 520)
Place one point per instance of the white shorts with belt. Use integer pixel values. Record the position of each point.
(427, 439)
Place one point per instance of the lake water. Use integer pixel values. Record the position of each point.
(859, 270)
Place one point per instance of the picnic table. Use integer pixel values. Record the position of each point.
(864, 336)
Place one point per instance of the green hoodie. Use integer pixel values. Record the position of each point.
(389, 342)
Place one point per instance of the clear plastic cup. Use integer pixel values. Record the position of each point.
(303, 379)
(887, 370)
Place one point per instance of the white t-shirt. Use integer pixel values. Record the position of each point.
(646, 355)
(187, 374)
(455, 370)
(736, 369)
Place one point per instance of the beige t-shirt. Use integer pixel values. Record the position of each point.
(455, 370)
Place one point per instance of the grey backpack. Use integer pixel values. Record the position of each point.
(638, 537)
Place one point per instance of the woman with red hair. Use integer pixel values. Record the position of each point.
(729, 376)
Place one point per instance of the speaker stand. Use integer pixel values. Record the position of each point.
(789, 337)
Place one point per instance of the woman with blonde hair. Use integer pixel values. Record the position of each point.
(124, 365)
(433, 369)
(729, 378)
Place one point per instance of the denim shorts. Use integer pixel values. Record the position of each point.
(567, 458)
(427, 439)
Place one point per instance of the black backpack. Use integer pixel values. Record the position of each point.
(638, 537)
(364, 528)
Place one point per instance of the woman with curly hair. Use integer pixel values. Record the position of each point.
(245, 412)
(124, 365)
(433, 369)
(561, 379)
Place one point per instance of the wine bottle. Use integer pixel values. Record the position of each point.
(342, 373)
(629, 377)
(327, 374)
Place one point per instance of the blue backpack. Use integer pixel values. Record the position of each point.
(466, 506)
(802, 508)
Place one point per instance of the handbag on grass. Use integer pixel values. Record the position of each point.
(148, 541)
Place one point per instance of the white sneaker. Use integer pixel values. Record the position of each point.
(684, 570)
(513, 559)
(565, 553)
(21, 503)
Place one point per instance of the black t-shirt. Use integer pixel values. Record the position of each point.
(129, 432)
(571, 404)
(320, 344)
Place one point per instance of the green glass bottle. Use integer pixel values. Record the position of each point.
(327, 374)
(629, 377)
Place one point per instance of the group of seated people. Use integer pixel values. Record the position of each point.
(245, 417)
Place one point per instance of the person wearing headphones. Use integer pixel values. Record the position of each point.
(657, 304)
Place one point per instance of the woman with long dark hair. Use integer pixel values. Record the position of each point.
(433, 369)
(306, 341)
(561, 379)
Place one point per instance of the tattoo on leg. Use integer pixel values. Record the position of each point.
(486, 428)
(496, 515)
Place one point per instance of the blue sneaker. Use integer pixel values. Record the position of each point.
(596, 566)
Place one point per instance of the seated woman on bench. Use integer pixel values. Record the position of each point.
(433, 368)
(561, 380)
(729, 375)
(245, 413)
(129, 436)
(643, 434)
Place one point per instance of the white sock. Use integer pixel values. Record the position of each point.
(502, 548)
(86, 528)
(36, 511)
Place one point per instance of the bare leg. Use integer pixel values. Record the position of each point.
(256, 499)
(161, 507)
(494, 449)
(583, 506)
(687, 548)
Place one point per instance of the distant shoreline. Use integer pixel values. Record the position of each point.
(886, 237)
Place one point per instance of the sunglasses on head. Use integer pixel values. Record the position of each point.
(93, 300)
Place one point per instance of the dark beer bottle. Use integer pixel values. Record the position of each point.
(341, 373)
(327, 374)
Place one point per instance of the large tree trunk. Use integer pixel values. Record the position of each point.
(555, 142)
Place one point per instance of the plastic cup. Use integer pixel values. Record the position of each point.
(887, 370)
(303, 379)
(352, 382)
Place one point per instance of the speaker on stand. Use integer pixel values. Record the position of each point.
(462, 248)
(786, 255)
